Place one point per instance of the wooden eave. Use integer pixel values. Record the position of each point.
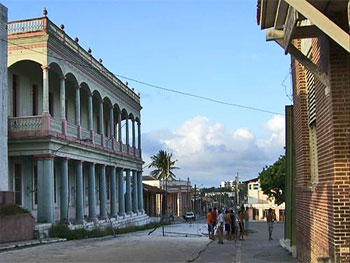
(288, 16)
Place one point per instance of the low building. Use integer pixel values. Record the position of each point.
(178, 195)
(258, 203)
(151, 197)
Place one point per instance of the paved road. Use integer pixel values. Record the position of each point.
(181, 243)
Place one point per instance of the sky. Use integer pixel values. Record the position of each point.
(209, 48)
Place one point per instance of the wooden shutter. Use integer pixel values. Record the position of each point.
(311, 104)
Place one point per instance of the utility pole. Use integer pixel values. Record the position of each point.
(187, 197)
(195, 197)
(236, 192)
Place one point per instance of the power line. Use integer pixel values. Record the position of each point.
(152, 85)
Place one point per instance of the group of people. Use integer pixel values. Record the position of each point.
(221, 221)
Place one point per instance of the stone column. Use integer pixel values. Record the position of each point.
(139, 135)
(79, 198)
(121, 191)
(140, 191)
(134, 192)
(103, 192)
(128, 192)
(133, 134)
(46, 108)
(113, 186)
(4, 181)
(63, 104)
(101, 125)
(111, 119)
(91, 118)
(64, 191)
(119, 127)
(77, 105)
(90, 112)
(45, 189)
(127, 131)
(92, 192)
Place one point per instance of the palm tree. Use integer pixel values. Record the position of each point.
(164, 167)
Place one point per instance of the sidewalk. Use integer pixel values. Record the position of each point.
(255, 248)
(29, 243)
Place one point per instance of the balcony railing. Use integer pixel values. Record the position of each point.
(47, 27)
(56, 125)
(30, 123)
(19, 125)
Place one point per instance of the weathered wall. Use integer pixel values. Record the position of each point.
(16, 228)
(3, 100)
(323, 207)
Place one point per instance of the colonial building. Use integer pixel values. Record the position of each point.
(316, 34)
(74, 140)
(178, 195)
(258, 203)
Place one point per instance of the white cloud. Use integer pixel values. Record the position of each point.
(208, 153)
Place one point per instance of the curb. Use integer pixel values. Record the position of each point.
(31, 244)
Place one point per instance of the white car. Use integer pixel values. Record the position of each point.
(189, 216)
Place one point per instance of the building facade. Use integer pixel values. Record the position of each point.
(258, 203)
(74, 129)
(316, 34)
(3, 100)
(178, 195)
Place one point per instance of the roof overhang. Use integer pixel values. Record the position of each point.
(284, 21)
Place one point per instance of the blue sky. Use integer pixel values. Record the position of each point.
(209, 48)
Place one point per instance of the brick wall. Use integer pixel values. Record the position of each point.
(323, 209)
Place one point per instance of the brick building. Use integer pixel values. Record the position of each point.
(316, 35)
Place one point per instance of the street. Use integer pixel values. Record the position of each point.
(184, 242)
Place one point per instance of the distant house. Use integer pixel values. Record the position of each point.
(178, 195)
(258, 203)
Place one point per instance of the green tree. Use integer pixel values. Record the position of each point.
(164, 167)
(272, 180)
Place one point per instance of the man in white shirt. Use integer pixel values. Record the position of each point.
(221, 227)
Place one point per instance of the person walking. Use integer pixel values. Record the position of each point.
(270, 218)
(233, 224)
(227, 225)
(246, 221)
(241, 216)
(210, 224)
(214, 216)
(221, 226)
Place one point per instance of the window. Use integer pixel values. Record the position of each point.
(35, 185)
(250, 187)
(18, 184)
(35, 100)
(256, 186)
(311, 110)
(51, 108)
(98, 124)
(66, 106)
(14, 95)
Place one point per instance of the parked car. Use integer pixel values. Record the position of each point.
(189, 216)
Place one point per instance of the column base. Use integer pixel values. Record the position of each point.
(141, 211)
(122, 215)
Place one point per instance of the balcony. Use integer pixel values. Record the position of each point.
(43, 26)
(39, 126)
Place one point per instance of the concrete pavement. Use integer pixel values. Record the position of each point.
(255, 248)
(181, 243)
